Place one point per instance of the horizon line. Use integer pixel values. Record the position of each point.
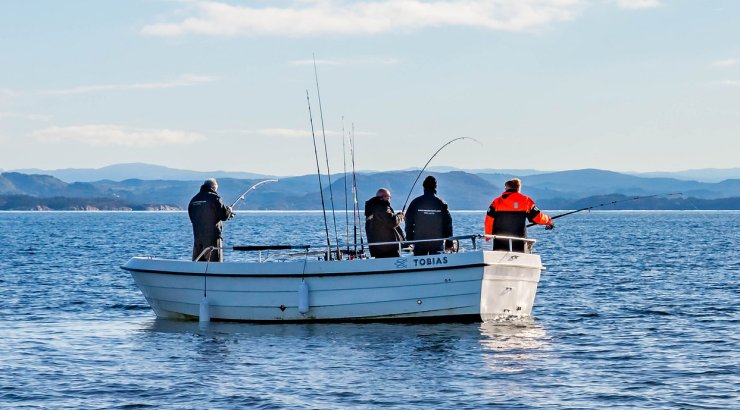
(431, 169)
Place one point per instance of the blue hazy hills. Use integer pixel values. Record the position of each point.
(155, 187)
(119, 172)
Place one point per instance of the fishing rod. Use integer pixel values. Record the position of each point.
(250, 189)
(430, 160)
(318, 173)
(356, 206)
(326, 154)
(346, 201)
(608, 203)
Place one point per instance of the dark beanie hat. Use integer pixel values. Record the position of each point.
(430, 183)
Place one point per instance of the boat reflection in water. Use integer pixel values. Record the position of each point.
(501, 352)
(511, 345)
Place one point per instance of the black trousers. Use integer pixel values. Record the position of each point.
(384, 251)
(214, 255)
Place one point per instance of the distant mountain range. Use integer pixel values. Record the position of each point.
(120, 172)
(462, 191)
(700, 175)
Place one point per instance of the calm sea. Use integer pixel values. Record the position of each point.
(635, 309)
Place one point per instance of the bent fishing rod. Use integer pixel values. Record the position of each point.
(253, 187)
(427, 164)
(608, 203)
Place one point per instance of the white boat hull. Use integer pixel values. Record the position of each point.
(464, 286)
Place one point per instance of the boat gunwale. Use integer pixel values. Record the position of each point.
(301, 275)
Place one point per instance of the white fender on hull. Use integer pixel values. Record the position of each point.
(204, 314)
(303, 297)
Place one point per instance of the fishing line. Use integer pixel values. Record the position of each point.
(704, 216)
(606, 204)
(430, 160)
(318, 172)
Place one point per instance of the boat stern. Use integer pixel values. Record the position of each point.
(509, 284)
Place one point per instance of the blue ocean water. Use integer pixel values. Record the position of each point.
(635, 310)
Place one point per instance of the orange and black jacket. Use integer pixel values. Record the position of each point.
(508, 215)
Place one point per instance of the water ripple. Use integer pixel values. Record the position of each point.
(629, 314)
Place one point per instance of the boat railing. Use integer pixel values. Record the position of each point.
(403, 246)
(528, 243)
(260, 248)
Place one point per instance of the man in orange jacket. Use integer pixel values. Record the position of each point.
(508, 216)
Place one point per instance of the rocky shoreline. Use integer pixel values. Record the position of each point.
(30, 203)
(90, 208)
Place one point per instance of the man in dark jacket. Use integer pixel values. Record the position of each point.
(207, 214)
(382, 224)
(428, 218)
(508, 215)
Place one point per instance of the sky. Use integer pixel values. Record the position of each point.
(622, 85)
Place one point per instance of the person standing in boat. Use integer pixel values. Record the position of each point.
(428, 217)
(382, 224)
(207, 214)
(508, 214)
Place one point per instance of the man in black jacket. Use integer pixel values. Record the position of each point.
(428, 218)
(382, 224)
(207, 213)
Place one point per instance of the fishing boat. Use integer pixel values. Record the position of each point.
(296, 284)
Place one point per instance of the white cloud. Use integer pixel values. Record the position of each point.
(344, 61)
(730, 62)
(638, 4)
(29, 117)
(7, 92)
(730, 83)
(100, 135)
(294, 133)
(315, 17)
(283, 132)
(288, 132)
(182, 81)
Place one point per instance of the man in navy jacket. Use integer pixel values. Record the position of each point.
(207, 214)
(428, 218)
